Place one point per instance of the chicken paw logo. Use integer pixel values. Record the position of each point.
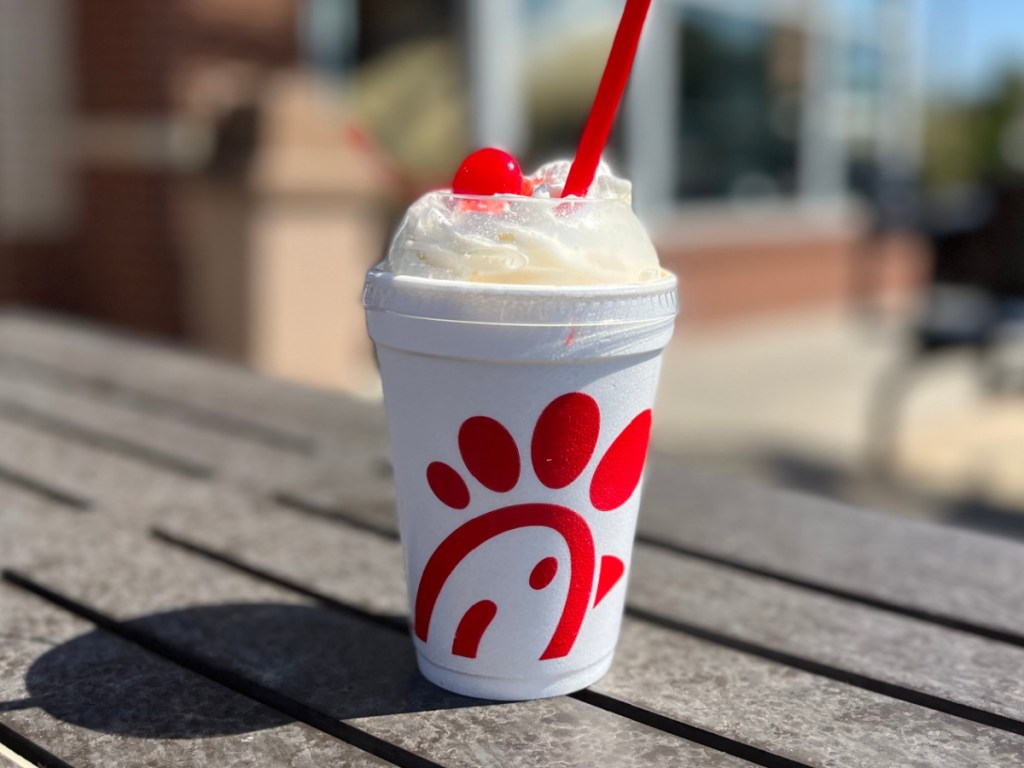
(562, 447)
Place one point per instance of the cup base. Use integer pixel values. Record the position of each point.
(512, 688)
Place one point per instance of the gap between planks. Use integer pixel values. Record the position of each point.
(931, 617)
(25, 753)
(62, 429)
(160, 406)
(43, 490)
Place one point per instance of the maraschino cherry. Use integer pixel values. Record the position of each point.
(488, 171)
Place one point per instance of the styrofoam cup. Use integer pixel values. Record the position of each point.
(519, 419)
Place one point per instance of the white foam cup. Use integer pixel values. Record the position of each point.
(518, 418)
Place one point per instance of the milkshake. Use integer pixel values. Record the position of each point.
(519, 339)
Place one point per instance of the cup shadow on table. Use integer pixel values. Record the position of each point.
(339, 665)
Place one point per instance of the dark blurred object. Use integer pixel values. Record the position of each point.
(974, 298)
(235, 140)
(892, 195)
(384, 24)
(976, 290)
(740, 106)
(892, 200)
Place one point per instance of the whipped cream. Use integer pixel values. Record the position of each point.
(536, 240)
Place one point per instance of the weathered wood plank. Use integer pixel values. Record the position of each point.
(345, 493)
(759, 689)
(353, 670)
(40, 489)
(797, 539)
(795, 535)
(954, 666)
(239, 461)
(917, 568)
(297, 414)
(126, 488)
(934, 569)
(825, 631)
(792, 713)
(886, 648)
(273, 545)
(10, 759)
(92, 699)
(17, 751)
(79, 473)
(311, 551)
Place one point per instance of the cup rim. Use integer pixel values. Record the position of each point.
(530, 200)
(665, 283)
(390, 299)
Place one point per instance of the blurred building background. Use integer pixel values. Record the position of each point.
(222, 172)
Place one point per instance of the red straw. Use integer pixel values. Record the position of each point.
(606, 103)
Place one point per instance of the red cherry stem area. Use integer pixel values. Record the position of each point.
(606, 103)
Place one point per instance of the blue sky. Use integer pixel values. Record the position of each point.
(968, 42)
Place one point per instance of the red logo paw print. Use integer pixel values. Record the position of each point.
(563, 444)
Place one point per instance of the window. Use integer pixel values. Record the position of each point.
(739, 111)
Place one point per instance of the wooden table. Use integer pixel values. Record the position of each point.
(201, 568)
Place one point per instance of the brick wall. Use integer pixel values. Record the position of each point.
(35, 273)
(124, 51)
(728, 282)
(125, 262)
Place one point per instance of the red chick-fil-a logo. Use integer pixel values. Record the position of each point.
(563, 444)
